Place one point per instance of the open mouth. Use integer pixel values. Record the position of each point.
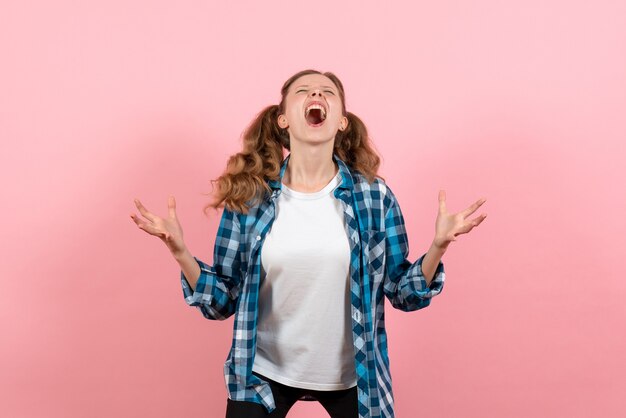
(315, 115)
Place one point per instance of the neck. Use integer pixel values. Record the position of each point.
(310, 167)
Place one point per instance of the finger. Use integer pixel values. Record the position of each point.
(135, 219)
(140, 223)
(144, 212)
(467, 212)
(171, 204)
(467, 227)
(442, 201)
(479, 220)
(147, 227)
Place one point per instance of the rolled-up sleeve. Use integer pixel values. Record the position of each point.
(405, 285)
(218, 286)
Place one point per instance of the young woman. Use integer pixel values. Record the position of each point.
(308, 247)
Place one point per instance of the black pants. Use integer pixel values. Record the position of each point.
(338, 403)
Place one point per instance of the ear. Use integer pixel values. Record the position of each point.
(343, 124)
(282, 122)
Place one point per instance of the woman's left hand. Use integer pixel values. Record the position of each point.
(448, 226)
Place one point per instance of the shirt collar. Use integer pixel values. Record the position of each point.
(346, 176)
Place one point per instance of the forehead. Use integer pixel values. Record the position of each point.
(314, 80)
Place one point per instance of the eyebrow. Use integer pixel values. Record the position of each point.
(306, 85)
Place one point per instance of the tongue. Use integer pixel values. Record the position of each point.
(314, 117)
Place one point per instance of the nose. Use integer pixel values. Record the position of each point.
(316, 92)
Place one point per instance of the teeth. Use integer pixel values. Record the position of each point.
(316, 106)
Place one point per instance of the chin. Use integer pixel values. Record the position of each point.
(321, 136)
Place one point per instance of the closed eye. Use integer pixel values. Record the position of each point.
(325, 91)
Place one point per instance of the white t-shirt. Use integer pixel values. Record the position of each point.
(304, 336)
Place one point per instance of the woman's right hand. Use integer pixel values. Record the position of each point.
(168, 229)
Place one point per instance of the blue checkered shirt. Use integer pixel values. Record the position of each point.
(378, 267)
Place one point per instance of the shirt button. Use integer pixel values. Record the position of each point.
(258, 238)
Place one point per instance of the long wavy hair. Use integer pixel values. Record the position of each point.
(244, 183)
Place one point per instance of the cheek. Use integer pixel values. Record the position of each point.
(293, 115)
(337, 116)
(337, 109)
(294, 109)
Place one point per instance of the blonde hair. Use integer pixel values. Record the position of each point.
(245, 181)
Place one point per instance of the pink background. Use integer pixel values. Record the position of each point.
(520, 102)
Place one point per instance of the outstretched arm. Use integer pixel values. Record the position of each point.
(212, 289)
(411, 286)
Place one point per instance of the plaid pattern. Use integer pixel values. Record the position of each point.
(379, 266)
